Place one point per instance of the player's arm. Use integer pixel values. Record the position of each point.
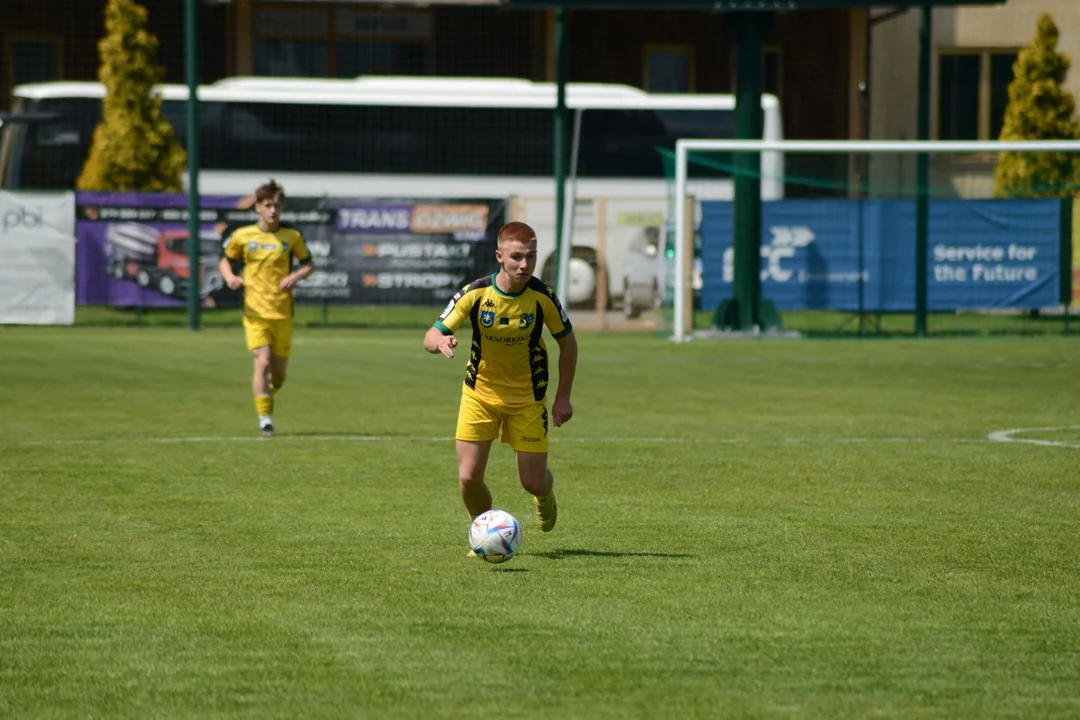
(231, 254)
(435, 342)
(307, 265)
(306, 268)
(440, 337)
(561, 409)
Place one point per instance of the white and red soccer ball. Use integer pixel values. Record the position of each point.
(495, 536)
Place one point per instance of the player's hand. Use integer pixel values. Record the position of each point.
(561, 411)
(447, 345)
(287, 283)
(235, 282)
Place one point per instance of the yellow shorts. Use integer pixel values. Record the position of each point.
(524, 427)
(275, 333)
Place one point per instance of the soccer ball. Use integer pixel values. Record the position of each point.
(495, 536)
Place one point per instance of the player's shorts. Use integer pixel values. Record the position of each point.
(524, 427)
(276, 333)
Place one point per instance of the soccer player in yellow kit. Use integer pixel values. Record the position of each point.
(268, 249)
(506, 378)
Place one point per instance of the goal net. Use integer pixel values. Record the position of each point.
(872, 237)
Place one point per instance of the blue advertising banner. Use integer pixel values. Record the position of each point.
(132, 248)
(828, 253)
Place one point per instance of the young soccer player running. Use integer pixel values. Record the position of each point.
(267, 249)
(506, 377)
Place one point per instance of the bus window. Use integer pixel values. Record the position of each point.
(54, 149)
(623, 143)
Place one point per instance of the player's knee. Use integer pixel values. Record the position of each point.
(536, 483)
(470, 477)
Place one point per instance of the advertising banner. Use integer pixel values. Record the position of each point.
(133, 248)
(37, 247)
(828, 253)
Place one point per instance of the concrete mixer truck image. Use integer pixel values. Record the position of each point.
(158, 259)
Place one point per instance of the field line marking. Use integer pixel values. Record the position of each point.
(1009, 436)
(448, 439)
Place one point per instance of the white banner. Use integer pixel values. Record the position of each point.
(37, 258)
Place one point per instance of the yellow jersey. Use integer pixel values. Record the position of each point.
(267, 260)
(508, 362)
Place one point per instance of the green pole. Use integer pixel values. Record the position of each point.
(194, 261)
(560, 146)
(922, 180)
(1065, 255)
(750, 30)
(1065, 258)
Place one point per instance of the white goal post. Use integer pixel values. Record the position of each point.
(684, 147)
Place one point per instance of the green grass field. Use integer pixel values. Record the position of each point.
(775, 529)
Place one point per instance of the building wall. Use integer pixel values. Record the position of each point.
(812, 49)
(894, 57)
(894, 54)
(76, 26)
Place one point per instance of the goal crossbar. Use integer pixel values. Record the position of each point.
(684, 147)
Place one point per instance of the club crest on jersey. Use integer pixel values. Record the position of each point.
(526, 320)
(487, 318)
(253, 245)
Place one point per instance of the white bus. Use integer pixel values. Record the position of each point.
(416, 137)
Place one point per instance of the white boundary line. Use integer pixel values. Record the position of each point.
(996, 436)
(1007, 436)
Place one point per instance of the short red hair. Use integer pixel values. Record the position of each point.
(516, 232)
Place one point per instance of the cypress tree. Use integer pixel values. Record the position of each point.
(1039, 109)
(134, 147)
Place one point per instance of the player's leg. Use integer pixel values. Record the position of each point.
(472, 465)
(526, 432)
(279, 354)
(538, 481)
(477, 427)
(260, 387)
(258, 337)
(277, 372)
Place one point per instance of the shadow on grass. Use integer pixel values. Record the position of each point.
(563, 554)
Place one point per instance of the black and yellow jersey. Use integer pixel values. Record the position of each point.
(508, 362)
(267, 260)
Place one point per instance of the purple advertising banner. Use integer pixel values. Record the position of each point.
(132, 248)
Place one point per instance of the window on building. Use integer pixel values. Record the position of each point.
(972, 92)
(669, 68)
(33, 60)
(331, 41)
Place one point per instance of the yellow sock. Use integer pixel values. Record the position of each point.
(264, 405)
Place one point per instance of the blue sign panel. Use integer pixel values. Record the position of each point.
(826, 253)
